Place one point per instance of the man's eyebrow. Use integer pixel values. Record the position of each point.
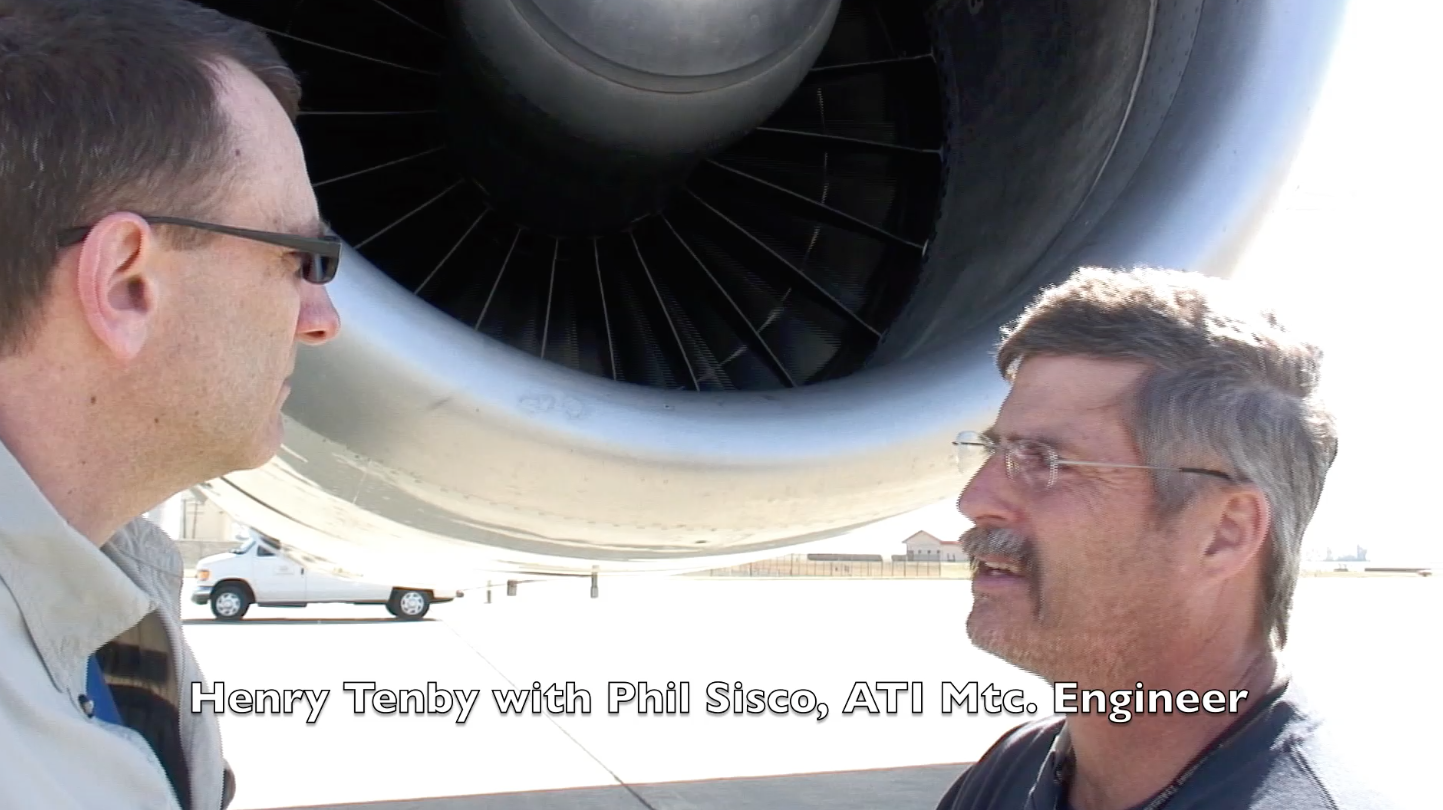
(1056, 442)
(314, 227)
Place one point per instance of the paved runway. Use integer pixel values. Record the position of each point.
(1366, 645)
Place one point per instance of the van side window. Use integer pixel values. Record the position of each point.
(263, 551)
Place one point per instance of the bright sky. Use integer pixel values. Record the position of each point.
(1355, 250)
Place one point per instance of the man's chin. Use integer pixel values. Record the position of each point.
(992, 631)
(263, 449)
(987, 630)
(253, 460)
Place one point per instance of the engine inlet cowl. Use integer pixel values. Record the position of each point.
(784, 351)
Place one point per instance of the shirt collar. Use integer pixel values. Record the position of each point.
(1046, 790)
(72, 597)
(1056, 770)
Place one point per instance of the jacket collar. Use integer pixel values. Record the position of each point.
(72, 597)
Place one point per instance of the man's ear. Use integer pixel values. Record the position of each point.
(117, 284)
(1239, 532)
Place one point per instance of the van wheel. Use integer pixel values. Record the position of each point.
(410, 605)
(229, 602)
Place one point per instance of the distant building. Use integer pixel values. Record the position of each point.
(1359, 554)
(923, 546)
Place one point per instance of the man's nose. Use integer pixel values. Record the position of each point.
(988, 495)
(318, 321)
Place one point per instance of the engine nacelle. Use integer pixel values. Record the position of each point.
(778, 330)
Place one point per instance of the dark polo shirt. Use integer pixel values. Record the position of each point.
(1282, 757)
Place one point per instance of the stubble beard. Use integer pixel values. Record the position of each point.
(1028, 642)
(1097, 650)
(1049, 642)
(1002, 630)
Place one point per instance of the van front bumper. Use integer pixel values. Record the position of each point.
(201, 595)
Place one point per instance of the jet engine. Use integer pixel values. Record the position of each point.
(657, 285)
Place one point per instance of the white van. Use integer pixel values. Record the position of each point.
(257, 572)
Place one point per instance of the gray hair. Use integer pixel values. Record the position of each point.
(1229, 382)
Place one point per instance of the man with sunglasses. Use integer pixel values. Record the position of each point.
(1138, 508)
(163, 259)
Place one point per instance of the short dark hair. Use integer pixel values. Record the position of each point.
(110, 105)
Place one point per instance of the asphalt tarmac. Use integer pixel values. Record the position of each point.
(1367, 648)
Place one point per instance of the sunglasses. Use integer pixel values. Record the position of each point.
(322, 254)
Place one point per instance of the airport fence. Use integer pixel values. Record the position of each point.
(800, 567)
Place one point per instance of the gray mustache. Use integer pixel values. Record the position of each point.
(996, 542)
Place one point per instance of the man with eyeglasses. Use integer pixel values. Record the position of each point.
(163, 259)
(1138, 508)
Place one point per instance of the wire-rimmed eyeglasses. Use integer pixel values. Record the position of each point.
(322, 253)
(1035, 463)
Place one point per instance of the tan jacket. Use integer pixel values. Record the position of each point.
(61, 599)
